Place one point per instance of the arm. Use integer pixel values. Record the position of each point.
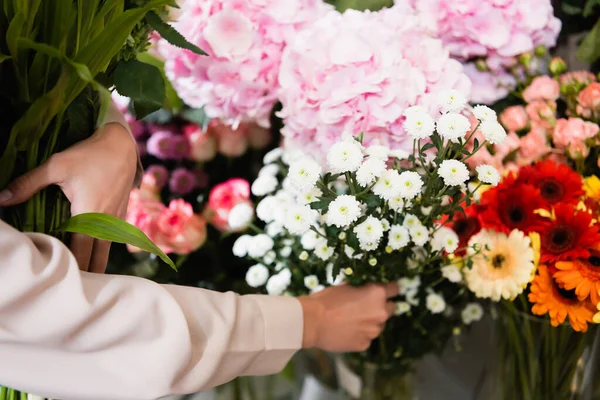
(76, 335)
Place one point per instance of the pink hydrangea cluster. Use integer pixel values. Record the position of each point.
(497, 30)
(245, 39)
(357, 72)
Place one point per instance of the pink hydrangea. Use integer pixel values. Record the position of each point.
(357, 72)
(245, 39)
(497, 30)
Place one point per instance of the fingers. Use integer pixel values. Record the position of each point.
(25, 186)
(99, 259)
(390, 308)
(391, 289)
(81, 247)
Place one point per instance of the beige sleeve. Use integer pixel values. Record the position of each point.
(73, 335)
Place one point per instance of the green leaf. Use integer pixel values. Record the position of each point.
(171, 35)
(571, 9)
(588, 10)
(107, 227)
(589, 49)
(141, 82)
(197, 116)
(13, 33)
(172, 101)
(427, 146)
(320, 205)
(373, 201)
(4, 57)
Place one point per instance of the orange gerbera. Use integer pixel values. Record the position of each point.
(581, 275)
(548, 298)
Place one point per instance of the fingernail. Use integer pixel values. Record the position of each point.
(5, 196)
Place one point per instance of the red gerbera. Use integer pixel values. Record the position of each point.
(465, 225)
(511, 205)
(557, 182)
(568, 236)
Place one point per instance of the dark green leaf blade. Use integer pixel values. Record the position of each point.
(141, 82)
(589, 49)
(107, 227)
(170, 34)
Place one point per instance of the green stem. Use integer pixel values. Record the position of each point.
(350, 183)
(3, 392)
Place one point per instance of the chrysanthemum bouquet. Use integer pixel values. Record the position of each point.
(537, 241)
(373, 215)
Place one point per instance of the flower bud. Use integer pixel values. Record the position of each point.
(557, 66)
(541, 50)
(525, 59)
(481, 65)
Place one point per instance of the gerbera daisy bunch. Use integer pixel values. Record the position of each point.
(538, 238)
(370, 214)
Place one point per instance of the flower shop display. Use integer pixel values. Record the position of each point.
(358, 72)
(245, 41)
(369, 216)
(534, 252)
(490, 37)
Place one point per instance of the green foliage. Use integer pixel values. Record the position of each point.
(589, 49)
(107, 227)
(143, 83)
(171, 35)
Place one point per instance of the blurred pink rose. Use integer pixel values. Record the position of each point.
(143, 211)
(534, 146)
(542, 88)
(514, 118)
(571, 134)
(223, 198)
(203, 145)
(588, 100)
(577, 77)
(180, 230)
(541, 113)
(231, 143)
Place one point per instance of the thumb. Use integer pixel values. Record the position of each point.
(25, 186)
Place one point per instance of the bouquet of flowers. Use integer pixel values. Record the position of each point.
(370, 216)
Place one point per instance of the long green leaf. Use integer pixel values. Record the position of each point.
(589, 49)
(107, 227)
(171, 35)
(13, 33)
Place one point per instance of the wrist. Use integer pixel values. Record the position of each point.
(312, 312)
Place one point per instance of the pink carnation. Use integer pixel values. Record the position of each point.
(542, 88)
(244, 39)
(572, 134)
(181, 231)
(514, 118)
(497, 30)
(357, 72)
(143, 211)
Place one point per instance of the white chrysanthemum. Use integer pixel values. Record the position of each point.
(388, 184)
(488, 174)
(453, 172)
(503, 271)
(240, 247)
(493, 131)
(410, 221)
(299, 218)
(369, 231)
(240, 216)
(310, 196)
(370, 170)
(322, 250)
(277, 284)
(290, 156)
(369, 246)
(274, 228)
(452, 273)
(484, 113)
(377, 151)
(269, 258)
(270, 169)
(453, 126)
(264, 185)
(351, 253)
(396, 204)
(309, 240)
(402, 307)
(311, 282)
(419, 125)
(407, 285)
(452, 100)
(273, 155)
(260, 245)
(446, 239)
(304, 173)
(285, 252)
(345, 156)
(343, 211)
(386, 224)
(399, 154)
(317, 289)
(435, 303)
(398, 237)
(264, 209)
(412, 298)
(410, 184)
(257, 275)
(285, 200)
(419, 235)
(472, 312)
(330, 279)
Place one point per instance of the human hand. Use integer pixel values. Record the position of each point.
(96, 175)
(345, 318)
